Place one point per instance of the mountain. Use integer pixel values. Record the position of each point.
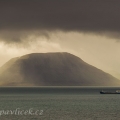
(53, 69)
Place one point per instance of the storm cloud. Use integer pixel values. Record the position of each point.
(95, 16)
(88, 29)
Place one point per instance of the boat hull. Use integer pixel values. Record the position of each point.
(101, 92)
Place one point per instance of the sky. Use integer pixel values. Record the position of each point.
(89, 29)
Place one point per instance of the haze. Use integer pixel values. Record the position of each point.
(88, 29)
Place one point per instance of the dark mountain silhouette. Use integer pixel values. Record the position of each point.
(53, 69)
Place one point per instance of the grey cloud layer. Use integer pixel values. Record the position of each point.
(73, 15)
(83, 15)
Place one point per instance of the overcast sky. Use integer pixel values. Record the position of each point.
(89, 29)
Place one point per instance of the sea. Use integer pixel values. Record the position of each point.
(59, 103)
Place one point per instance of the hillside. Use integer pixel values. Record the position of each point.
(53, 69)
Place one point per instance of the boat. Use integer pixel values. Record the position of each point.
(108, 92)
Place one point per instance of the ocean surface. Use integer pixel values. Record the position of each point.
(59, 103)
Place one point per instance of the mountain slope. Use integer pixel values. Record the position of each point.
(53, 69)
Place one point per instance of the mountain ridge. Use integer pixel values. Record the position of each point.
(53, 69)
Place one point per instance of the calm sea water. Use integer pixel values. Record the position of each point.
(59, 103)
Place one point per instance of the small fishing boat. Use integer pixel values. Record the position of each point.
(108, 92)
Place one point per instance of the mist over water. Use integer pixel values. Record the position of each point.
(56, 90)
(61, 103)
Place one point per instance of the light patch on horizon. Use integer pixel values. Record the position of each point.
(99, 51)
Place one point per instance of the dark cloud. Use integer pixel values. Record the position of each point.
(12, 36)
(69, 15)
